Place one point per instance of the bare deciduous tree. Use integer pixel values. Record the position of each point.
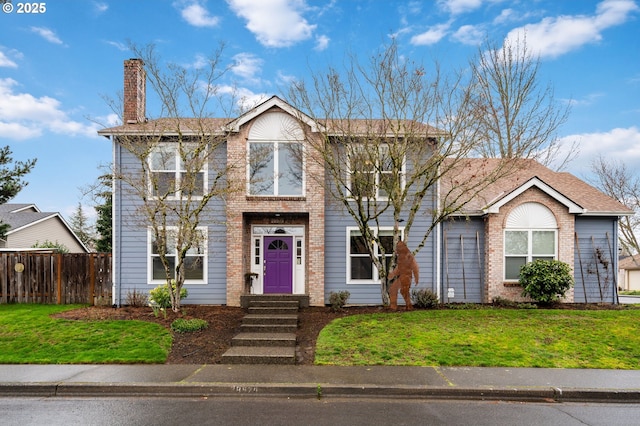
(616, 180)
(519, 118)
(179, 167)
(394, 131)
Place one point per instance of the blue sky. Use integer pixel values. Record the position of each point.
(56, 66)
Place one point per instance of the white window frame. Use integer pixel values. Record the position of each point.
(276, 167)
(530, 256)
(529, 217)
(178, 171)
(375, 278)
(376, 170)
(205, 256)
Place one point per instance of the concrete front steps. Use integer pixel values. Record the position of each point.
(268, 331)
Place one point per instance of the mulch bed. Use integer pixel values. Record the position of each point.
(208, 345)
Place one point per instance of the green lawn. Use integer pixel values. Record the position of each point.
(28, 335)
(607, 339)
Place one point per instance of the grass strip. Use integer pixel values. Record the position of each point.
(607, 339)
(29, 335)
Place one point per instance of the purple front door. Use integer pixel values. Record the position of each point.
(278, 264)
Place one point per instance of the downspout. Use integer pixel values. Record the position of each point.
(115, 240)
(614, 259)
(438, 244)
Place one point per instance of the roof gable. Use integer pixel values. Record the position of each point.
(272, 102)
(578, 196)
(535, 182)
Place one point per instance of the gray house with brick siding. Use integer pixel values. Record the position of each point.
(284, 235)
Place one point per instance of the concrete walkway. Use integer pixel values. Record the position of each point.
(522, 384)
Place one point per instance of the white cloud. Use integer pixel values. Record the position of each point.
(118, 45)
(24, 116)
(470, 34)
(322, 42)
(505, 16)
(196, 14)
(47, 34)
(245, 99)
(276, 23)
(554, 36)
(285, 79)
(6, 62)
(431, 36)
(199, 62)
(100, 7)
(17, 131)
(246, 65)
(619, 144)
(456, 7)
(587, 100)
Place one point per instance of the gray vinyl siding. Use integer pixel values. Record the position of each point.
(595, 260)
(337, 221)
(463, 258)
(131, 246)
(336, 246)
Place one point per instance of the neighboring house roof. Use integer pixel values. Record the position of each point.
(630, 262)
(21, 217)
(577, 195)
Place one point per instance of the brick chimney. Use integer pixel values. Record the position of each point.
(135, 82)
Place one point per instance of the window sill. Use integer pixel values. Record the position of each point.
(516, 284)
(275, 198)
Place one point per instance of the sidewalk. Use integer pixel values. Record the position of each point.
(522, 384)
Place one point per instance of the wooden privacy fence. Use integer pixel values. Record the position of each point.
(51, 278)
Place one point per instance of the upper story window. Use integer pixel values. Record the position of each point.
(275, 168)
(373, 171)
(176, 171)
(275, 156)
(530, 234)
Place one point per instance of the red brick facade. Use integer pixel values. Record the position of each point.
(244, 210)
(495, 286)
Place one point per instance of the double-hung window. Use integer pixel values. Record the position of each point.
(195, 261)
(373, 171)
(360, 267)
(176, 171)
(276, 168)
(530, 234)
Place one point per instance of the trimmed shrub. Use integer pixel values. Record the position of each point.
(545, 281)
(159, 297)
(182, 325)
(423, 298)
(338, 300)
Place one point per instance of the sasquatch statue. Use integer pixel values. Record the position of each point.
(406, 268)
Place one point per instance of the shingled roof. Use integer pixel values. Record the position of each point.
(575, 193)
(220, 126)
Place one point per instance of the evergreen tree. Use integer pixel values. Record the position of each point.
(103, 224)
(81, 227)
(11, 179)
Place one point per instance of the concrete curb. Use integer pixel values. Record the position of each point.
(315, 391)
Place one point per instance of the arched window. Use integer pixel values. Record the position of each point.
(531, 233)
